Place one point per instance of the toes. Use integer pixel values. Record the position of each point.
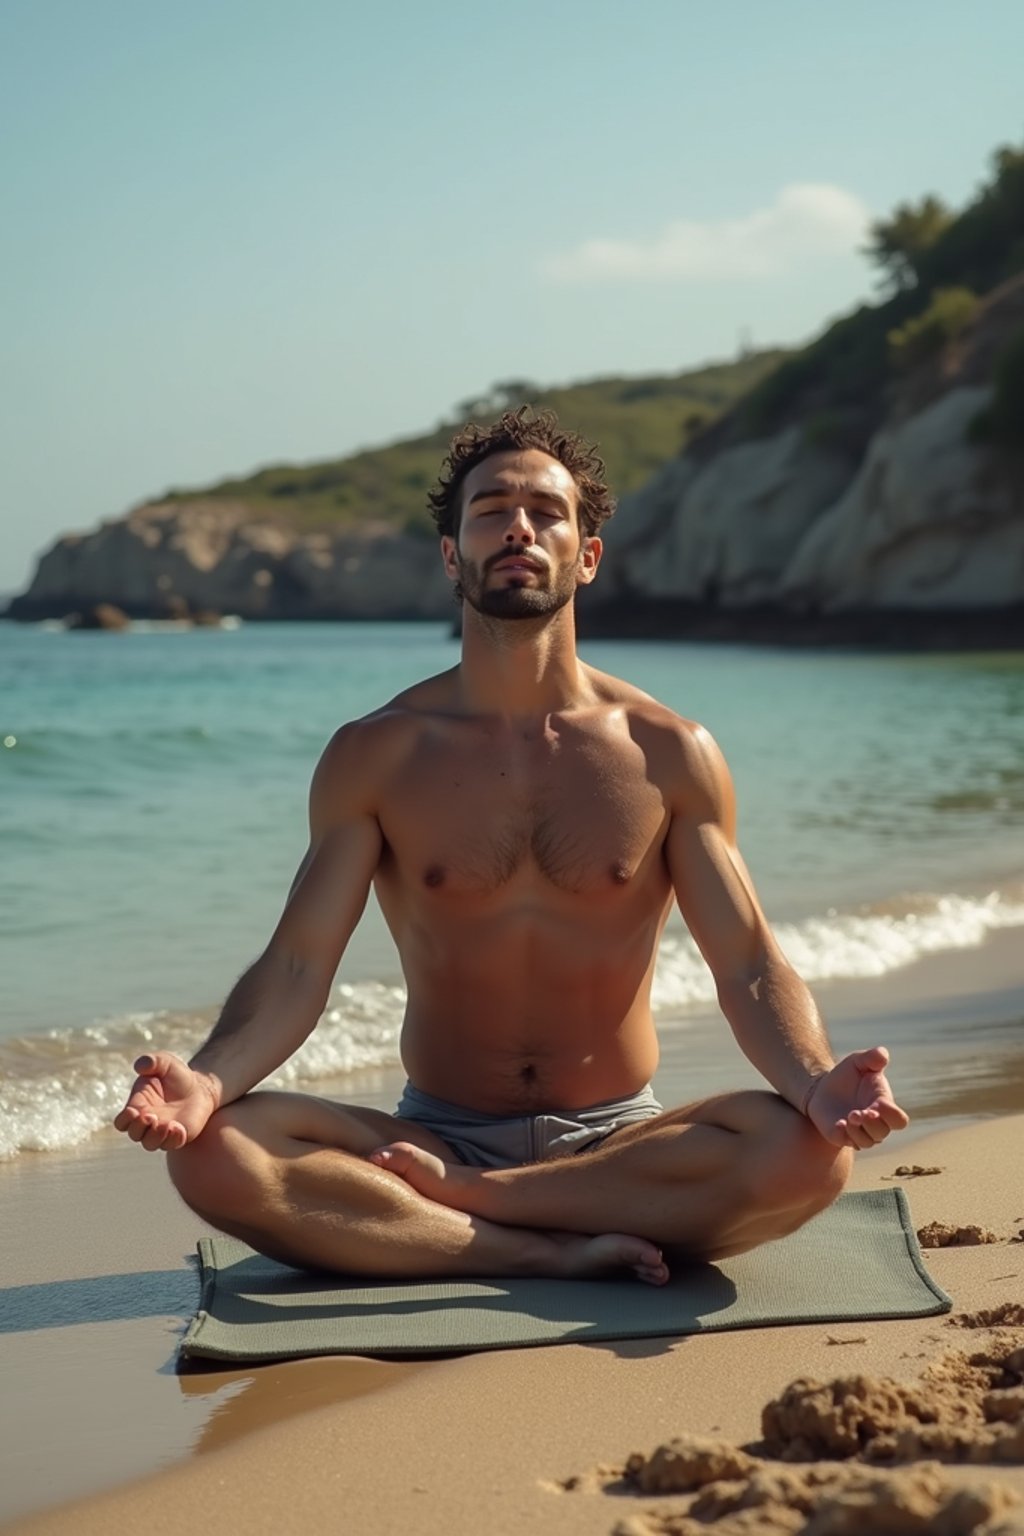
(398, 1157)
(651, 1274)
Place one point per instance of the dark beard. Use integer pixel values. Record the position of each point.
(512, 602)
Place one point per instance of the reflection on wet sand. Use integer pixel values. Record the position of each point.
(243, 1401)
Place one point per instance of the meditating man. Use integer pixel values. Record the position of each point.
(525, 822)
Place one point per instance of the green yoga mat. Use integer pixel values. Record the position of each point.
(857, 1260)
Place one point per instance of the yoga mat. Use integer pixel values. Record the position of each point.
(857, 1260)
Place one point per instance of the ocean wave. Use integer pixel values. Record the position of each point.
(847, 946)
(59, 1088)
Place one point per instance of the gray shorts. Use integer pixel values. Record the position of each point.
(505, 1141)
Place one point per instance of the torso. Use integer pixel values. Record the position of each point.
(524, 881)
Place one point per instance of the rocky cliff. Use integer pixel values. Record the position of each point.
(782, 533)
(194, 556)
(781, 536)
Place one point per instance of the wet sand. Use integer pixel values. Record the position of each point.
(98, 1287)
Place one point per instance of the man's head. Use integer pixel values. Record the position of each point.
(518, 513)
(516, 431)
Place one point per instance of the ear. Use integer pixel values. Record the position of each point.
(590, 558)
(448, 553)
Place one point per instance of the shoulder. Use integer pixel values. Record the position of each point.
(683, 758)
(362, 753)
(684, 745)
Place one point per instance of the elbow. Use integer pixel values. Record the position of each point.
(762, 975)
(297, 973)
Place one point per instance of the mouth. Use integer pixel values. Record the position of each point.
(516, 563)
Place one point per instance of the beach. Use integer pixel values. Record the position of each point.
(152, 818)
(98, 1426)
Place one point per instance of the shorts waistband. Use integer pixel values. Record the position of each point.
(607, 1109)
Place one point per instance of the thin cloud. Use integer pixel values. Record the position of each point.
(806, 221)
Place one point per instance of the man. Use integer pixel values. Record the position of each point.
(525, 821)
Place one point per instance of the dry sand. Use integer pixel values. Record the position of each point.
(533, 1438)
(491, 1442)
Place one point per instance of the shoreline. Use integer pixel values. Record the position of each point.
(99, 1284)
(759, 626)
(919, 1010)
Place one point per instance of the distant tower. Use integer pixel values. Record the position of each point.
(746, 342)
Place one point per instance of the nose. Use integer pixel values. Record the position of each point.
(519, 529)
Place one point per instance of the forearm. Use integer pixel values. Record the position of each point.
(269, 1012)
(778, 1028)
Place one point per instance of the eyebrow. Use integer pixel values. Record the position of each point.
(503, 493)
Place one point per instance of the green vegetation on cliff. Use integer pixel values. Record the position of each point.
(639, 423)
(935, 268)
(935, 265)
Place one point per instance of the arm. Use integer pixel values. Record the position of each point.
(770, 1009)
(274, 1006)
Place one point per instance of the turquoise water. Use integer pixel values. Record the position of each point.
(152, 814)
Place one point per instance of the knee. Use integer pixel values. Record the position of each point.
(807, 1171)
(220, 1172)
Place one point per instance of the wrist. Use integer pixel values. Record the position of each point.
(209, 1083)
(808, 1093)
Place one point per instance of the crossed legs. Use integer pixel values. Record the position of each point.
(320, 1185)
(289, 1174)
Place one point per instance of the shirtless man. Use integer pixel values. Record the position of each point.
(526, 822)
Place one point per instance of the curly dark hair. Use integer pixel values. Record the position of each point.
(524, 428)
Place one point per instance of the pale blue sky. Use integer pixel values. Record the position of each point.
(240, 232)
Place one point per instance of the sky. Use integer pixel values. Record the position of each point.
(238, 232)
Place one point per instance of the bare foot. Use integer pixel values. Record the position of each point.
(583, 1256)
(566, 1254)
(427, 1174)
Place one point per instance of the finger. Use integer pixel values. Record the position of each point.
(856, 1136)
(874, 1059)
(154, 1138)
(860, 1119)
(125, 1118)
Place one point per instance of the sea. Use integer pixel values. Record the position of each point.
(153, 789)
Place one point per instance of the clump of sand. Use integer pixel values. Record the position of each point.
(1008, 1314)
(963, 1408)
(945, 1234)
(912, 1171)
(966, 1408)
(834, 1501)
(686, 1463)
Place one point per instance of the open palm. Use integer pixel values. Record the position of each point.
(169, 1104)
(853, 1106)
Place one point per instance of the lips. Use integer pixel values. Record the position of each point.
(516, 563)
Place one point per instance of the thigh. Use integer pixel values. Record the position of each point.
(748, 1111)
(270, 1118)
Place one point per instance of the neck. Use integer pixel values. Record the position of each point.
(517, 667)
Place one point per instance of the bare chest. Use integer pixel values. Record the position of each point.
(581, 817)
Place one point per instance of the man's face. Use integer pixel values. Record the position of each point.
(518, 553)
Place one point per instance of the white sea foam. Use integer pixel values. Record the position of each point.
(58, 1089)
(844, 946)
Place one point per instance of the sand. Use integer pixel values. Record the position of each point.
(99, 1433)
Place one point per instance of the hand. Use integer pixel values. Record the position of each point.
(852, 1105)
(169, 1103)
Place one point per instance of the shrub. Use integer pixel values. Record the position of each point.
(1002, 421)
(925, 335)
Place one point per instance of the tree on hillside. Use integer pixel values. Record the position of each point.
(507, 395)
(899, 243)
(985, 245)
